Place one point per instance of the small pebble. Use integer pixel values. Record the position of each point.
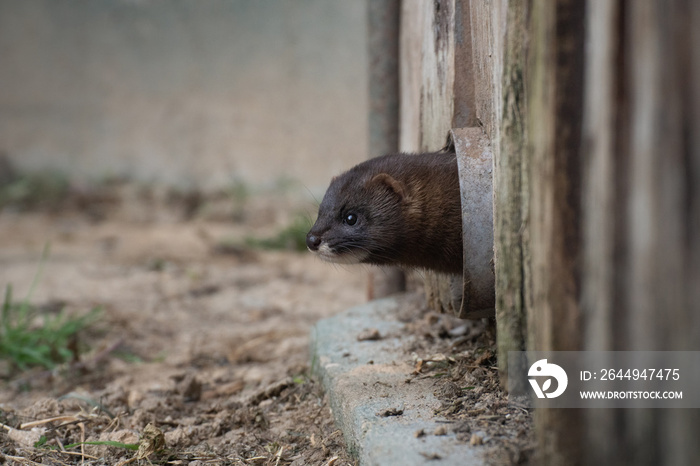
(396, 411)
(370, 334)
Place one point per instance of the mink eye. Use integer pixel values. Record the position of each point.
(350, 219)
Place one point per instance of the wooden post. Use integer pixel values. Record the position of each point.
(596, 198)
(641, 211)
(614, 229)
(511, 199)
(555, 97)
(383, 51)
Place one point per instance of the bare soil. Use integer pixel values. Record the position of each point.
(200, 355)
(200, 337)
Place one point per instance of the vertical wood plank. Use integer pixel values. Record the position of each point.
(602, 137)
(555, 96)
(410, 73)
(464, 115)
(437, 108)
(641, 255)
(510, 195)
(383, 29)
(488, 25)
(438, 73)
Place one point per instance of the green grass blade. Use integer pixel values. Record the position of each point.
(37, 276)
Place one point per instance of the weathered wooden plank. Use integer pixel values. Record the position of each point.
(488, 29)
(555, 96)
(602, 136)
(426, 104)
(410, 73)
(641, 249)
(438, 73)
(464, 115)
(510, 194)
(383, 51)
(554, 127)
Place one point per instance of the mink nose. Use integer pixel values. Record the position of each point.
(312, 241)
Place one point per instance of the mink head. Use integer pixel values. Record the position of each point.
(360, 218)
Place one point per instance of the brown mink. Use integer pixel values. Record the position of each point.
(397, 209)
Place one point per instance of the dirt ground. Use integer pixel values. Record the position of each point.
(200, 354)
(204, 339)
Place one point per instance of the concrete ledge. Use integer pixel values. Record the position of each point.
(367, 384)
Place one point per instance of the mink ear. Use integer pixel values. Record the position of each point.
(395, 185)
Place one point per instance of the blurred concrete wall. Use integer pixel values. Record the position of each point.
(192, 93)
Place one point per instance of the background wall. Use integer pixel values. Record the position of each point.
(186, 93)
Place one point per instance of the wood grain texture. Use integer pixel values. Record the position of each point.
(438, 73)
(510, 194)
(641, 207)
(410, 74)
(555, 96)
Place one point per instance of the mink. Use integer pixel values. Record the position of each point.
(397, 209)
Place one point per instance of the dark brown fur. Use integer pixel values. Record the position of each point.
(407, 212)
